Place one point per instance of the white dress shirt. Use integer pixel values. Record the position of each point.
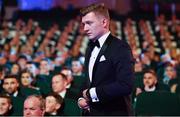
(62, 94)
(92, 60)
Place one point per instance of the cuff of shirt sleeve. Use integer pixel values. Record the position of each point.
(93, 95)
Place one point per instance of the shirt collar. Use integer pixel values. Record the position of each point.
(54, 113)
(63, 93)
(15, 94)
(147, 89)
(103, 38)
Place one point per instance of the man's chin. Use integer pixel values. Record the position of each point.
(92, 39)
(27, 116)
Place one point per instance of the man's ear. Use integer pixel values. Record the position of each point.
(17, 83)
(104, 22)
(10, 107)
(58, 106)
(156, 81)
(43, 112)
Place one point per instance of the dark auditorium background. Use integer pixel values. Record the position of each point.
(50, 31)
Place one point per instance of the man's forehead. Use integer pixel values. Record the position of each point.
(76, 63)
(57, 77)
(3, 99)
(32, 101)
(50, 98)
(149, 76)
(10, 79)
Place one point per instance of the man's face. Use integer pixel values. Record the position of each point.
(15, 69)
(32, 108)
(58, 84)
(76, 66)
(31, 67)
(44, 66)
(51, 104)
(92, 25)
(22, 62)
(5, 106)
(170, 72)
(149, 80)
(10, 85)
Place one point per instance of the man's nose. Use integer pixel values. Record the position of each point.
(85, 28)
(27, 112)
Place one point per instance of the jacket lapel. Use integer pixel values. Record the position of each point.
(87, 57)
(102, 51)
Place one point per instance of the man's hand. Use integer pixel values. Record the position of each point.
(83, 103)
(85, 95)
(138, 91)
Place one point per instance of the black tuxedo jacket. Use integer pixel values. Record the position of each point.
(113, 78)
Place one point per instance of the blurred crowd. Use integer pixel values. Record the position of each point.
(44, 67)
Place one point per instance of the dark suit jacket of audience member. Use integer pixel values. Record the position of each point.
(29, 91)
(17, 102)
(44, 83)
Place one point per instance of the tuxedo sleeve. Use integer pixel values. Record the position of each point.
(123, 64)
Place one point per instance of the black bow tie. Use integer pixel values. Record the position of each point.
(96, 43)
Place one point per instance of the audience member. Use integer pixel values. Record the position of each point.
(77, 68)
(34, 105)
(11, 88)
(5, 105)
(150, 83)
(27, 82)
(68, 73)
(54, 105)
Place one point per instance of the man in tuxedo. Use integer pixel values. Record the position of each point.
(109, 64)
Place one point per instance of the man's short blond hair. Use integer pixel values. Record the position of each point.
(98, 9)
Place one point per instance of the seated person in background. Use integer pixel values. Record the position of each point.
(170, 77)
(34, 106)
(77, 68)
(32, 68)
(5, 105)
(59, 84)
(22, 61)
(27, 79)
(150, 83)
(11, 88)
(68, 73)
(27, 82)
(44, 78)
(44, 67)
(54, 105)
(78, 75)
(15, 69)
(73, 85)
